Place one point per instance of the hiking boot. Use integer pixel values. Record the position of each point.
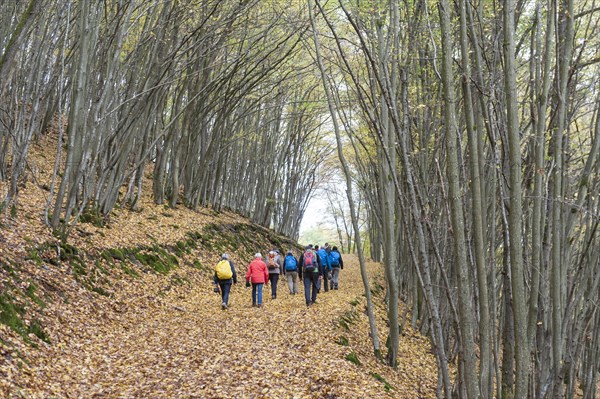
(223, 306)
(260, 305)
(273, 296)
(253, 305)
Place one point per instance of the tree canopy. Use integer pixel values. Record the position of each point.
(467, 135)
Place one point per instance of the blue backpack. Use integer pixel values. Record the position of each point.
(335, 258)
(291, 265)
(322, 253)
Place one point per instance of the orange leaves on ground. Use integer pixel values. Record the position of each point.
(181, 344)
(165, 336)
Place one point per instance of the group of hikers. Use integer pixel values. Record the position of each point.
(316, 267)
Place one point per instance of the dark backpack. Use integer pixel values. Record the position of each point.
(335, 258)
(291, 265)
(309, 259)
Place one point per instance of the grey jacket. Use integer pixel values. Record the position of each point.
(278, 264)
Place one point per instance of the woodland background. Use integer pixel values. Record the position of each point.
(466, 135)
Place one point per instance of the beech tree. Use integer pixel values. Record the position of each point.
(467, 135)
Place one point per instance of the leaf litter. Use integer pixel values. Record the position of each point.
(165, 335)
(182, 345)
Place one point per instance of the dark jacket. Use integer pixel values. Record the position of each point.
(341, 265)
(229, 281)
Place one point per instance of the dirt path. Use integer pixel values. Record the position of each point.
(182, 345)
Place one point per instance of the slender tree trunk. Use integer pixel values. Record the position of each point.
(77, 119)
(347, 175)
(467, 319)
(485, 326)
(515, 217)
(559, 263)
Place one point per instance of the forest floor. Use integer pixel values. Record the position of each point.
(183, 345)
(119, 329)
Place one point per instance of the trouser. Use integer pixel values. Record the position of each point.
(257, 293)
(292, 281)
(335, 276)
(274, 279)
(311, 280)
(225, 289)
(326, 279)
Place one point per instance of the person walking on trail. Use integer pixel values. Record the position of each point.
(290, 270)
(258, 275)
(274, 264)
(225, 275)
(319, 265)
(336, 262)
(309, 273)
(325, 265)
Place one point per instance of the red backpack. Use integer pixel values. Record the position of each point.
(309, 261)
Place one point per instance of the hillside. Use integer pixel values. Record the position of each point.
(126, 310)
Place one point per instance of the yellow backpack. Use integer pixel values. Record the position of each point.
(223, 270)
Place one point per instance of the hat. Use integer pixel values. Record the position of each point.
(258, 255)
(289, 252)
(224, 256)
(271, 252)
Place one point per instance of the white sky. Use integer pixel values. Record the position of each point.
(315, 212)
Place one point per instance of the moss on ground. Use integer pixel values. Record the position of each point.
(347, 319)
(353, 358)
(92, 271)
(379, 378)
(12, 314)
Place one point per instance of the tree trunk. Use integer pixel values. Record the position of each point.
(465, 308)
(347, 175)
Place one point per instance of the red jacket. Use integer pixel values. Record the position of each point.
(257, 272)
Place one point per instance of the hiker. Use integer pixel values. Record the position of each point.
(336, 262)
(224, 276)
(290, 270)
(308, 270)
(257, 274)
(274, 264)
(319, 265)
(325, 266)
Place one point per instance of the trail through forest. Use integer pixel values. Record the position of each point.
(182, 345)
